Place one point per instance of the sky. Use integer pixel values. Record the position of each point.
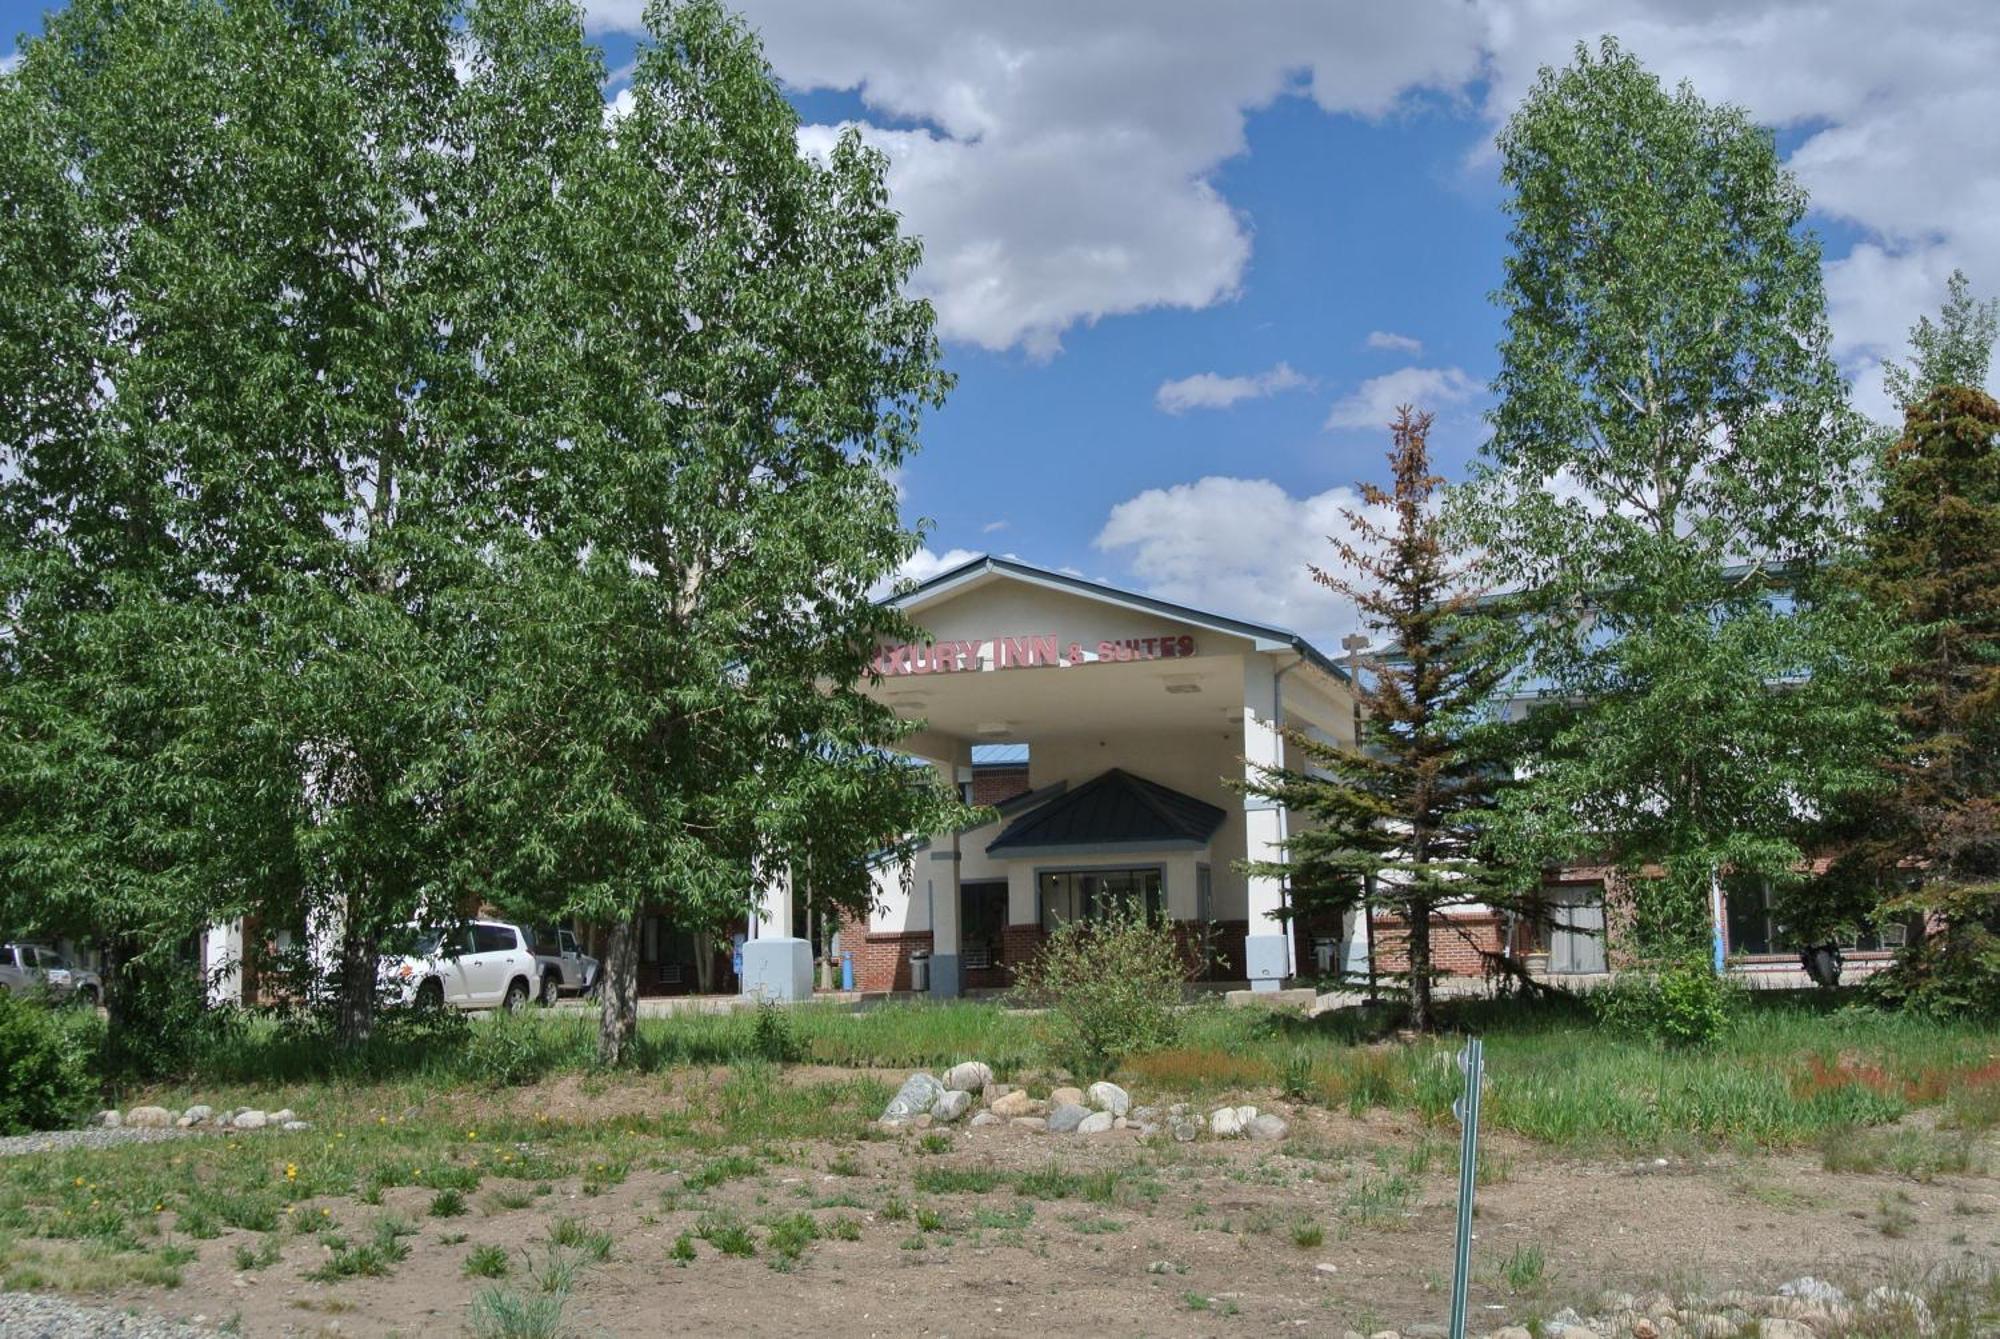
(1188, 255)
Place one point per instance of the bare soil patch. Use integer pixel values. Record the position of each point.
(1345, 1224)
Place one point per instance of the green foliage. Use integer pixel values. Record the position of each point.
(1683, 1004)
(487, 1262)
(46, 1057)
(1956, 350)
(773, 1037)
(511, 1049)
(1672, 461)
(1113, 988)
(1932, 842)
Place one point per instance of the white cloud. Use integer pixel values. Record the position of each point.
(1059, 159)
(1208, 390)
(9, 61)
(1375, 402)
(1395, 343)
(1242, 547)
(992, 527)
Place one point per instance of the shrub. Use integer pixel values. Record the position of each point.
(509, 1050)
(1685, 1004)
(1112, 987)
(46, 1059)
(772, 1036)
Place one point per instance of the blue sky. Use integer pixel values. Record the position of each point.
(1161, 233)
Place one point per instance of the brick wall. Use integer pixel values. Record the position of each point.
(883, 962)
(1455, 947)
(991, 785)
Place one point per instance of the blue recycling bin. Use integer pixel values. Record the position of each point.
(847, 971)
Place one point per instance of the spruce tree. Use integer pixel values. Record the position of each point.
(1400, 825)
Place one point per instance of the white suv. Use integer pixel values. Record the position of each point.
(482, 965)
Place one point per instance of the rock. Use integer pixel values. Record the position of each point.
(1510, 1332)
(1097, 1122)
(1643, 1328)
(1016, 1103)
(279, 1117)
(1425, 1329)
(923, 1122)
(1781, 1328)
(1266, 1127)
(950, 1105)
(1906, 1306)
(1137, 1114)
(296, 1126)
(917, 1096)
(1108, 1097)
(1326, 1269)
(1030, 1122)
(970, 1077)
(1066, 1097)
(198, 1115)
(1186, 1129)
(1385, 1334)
(249, 1120)
(1244, 1115)
(108, 1119)
(1809, 1289)
(1119, 1123)
(980, 1118)
(1064, 1118)
(1224, 1123)
(184, 1124)
(149, 1118)
(996, 1091)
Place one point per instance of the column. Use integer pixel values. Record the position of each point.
(1267, 948)
(939, 869)
(222, 962)
(777, 965)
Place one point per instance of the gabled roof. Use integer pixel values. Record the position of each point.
(1265, 636)
(1113, 812)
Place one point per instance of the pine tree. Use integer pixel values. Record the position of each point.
(1933, 561)
(1400, 825)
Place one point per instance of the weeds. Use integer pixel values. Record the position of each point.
(487, 1262)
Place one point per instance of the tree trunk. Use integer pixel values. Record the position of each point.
(118, 1003)
(1419, 920)
(704, 962)
(618, 1003)
(360, 959)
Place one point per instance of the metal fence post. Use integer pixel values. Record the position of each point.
(1472, 1061)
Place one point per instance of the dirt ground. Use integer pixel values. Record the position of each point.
(1197, 1239)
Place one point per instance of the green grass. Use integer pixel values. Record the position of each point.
(487, 1262)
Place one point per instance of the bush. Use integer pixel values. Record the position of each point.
(772, 1036)
(1683, 1004)
(46, 1058)
(1112, 986)
(164, 1022)
(509, 1049)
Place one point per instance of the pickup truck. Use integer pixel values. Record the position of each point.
(27, 969)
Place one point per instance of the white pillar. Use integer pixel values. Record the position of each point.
(939, 868)
(222, 962)
(1267, 948)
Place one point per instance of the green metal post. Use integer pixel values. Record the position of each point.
(1472, 1061)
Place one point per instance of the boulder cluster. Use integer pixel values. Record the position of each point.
(967, 1092)
(199, 1117)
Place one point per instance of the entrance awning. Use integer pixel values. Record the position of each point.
(1116, 811)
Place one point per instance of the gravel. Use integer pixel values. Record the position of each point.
(34, 1316)
(60, 1141)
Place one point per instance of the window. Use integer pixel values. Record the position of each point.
(493, 939)
(1204, 893)
(1754, 927)
(1088, 894)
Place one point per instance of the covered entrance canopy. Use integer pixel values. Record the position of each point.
(1137, 716)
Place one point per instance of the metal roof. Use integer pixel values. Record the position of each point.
(1268, 636)
(1111, 812)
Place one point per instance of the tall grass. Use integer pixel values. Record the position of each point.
(1786, 1073)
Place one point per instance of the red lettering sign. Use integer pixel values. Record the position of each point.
(1040, 650)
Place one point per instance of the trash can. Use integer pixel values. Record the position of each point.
(847, 971)
(920, 971)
